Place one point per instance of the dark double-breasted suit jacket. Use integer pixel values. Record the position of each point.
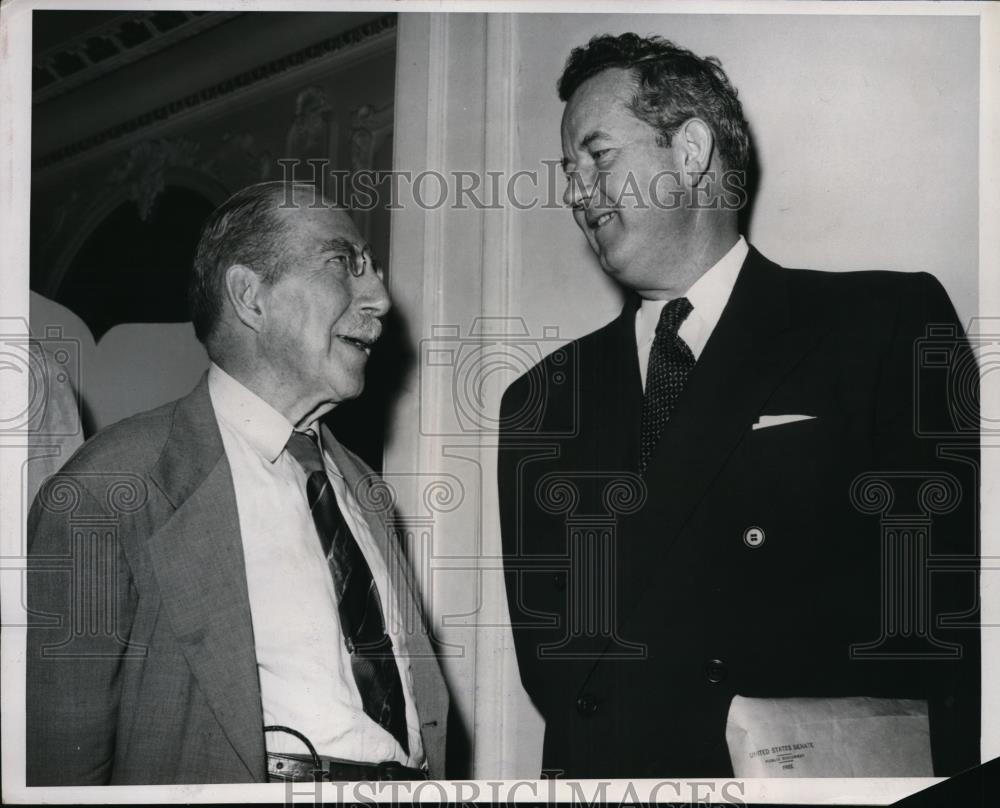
(779, 561)
(140, 651)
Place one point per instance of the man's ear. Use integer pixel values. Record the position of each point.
(243, 289)
(697, 144)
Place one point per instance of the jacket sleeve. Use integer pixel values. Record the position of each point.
(514, 443)
(927, 428)
(80, 607)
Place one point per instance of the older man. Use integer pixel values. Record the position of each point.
(213, 596)
(691, 511)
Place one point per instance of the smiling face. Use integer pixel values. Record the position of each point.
(623, 186)
(320, 319)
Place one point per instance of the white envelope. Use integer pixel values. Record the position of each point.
(764, 421)
(842, 737)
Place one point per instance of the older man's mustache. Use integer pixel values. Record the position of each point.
(366, 334)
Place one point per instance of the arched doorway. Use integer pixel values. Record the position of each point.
(135, 270)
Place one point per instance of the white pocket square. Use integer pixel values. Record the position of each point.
(764, 421)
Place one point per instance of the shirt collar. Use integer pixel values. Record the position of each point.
(262, 426)
(708, 295)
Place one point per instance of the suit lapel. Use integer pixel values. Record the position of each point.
(197, 558)
(751, 350)
(754, 346)
(613, 391)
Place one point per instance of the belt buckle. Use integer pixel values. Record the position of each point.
(323, 773)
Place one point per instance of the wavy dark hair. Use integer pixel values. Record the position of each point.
(672, 85)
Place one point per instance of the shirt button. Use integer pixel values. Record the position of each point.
(587, 704)
(716, 671)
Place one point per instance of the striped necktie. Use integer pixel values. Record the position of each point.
(361, 620)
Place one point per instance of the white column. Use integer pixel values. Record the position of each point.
(453, 279)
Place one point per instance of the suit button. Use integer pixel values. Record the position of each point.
(586, 704)
(715, 671)
(559, 581)
(753, 536)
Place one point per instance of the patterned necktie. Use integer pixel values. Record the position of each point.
(670, 362)
(361, 621)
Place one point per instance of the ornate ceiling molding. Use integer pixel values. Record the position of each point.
(118, 42)
(220, 90)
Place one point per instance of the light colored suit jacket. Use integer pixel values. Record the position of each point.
(140, 653)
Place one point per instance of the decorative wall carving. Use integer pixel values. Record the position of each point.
(144, 168)
(216, 92)
(370, 126)
(237, 160)
(141, 174)
(309, 134)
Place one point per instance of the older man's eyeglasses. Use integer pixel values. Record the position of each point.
(356, 259)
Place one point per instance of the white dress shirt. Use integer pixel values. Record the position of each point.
(306, 681)
(708, 296)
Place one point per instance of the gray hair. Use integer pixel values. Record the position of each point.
(245, 229)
